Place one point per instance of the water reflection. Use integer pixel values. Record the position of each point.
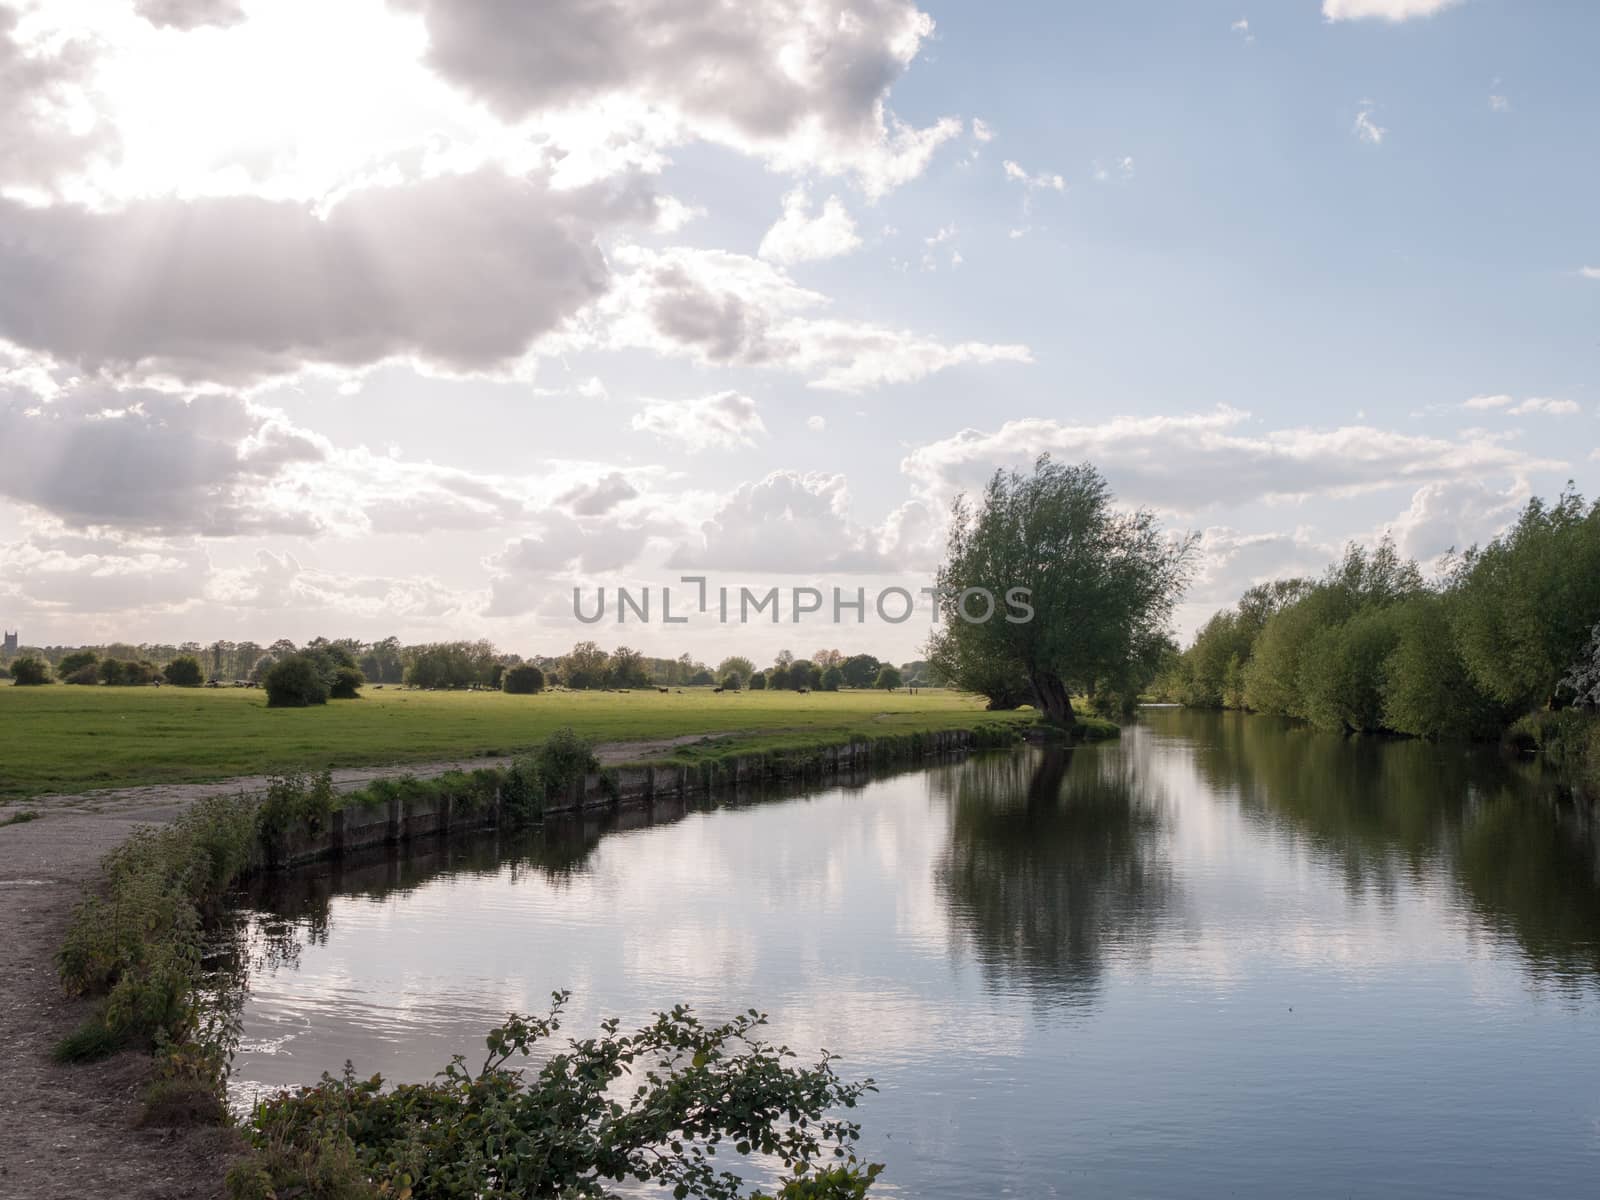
(1521, 850)
(1055, 861)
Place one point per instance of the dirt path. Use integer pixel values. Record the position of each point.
(69, 1131)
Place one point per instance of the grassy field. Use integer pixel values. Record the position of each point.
(72, 739)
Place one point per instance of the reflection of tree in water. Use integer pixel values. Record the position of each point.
(1523, 854)
(1054, 867)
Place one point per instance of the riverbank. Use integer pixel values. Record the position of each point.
(65, 741)
(83, 1121)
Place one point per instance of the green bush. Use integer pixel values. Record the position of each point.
(84, 676)
(1341, 676)
(184, 671)
(30, 671)
(731, 682)
(888, 678)
(525, 679)
(690, 1089)
(563, 760)
(758, 681)
(295, 682)
(347, 684)
(832, 680)
(1428, 691)
(294, 803)
(76, 661)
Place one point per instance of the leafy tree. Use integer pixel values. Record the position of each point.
(523, 680)
(860, 670)
(731, 681)
(785, 657)
(650, 1107)
(86, 675)
(626, 668)
(295, 682)
(888, 677)
(1525, 604)
(113, 672)
(183, 671)
(736, 662)
(584, 666)
(1428, 691)
(702, 677)
(832, 679)
(803, 673)
(74, 662)
(827, 658)
(778, 678)
(29, 671)
(1342, 675)
(1101, 584)
(758, 681)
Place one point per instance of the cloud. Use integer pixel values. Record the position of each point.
(724, 421)
(722, 309)
(981, 130)
(1242, 28)
(1191, 462)
(278, 581)
(788, 522)
(802, 83)
(1533, 404)
(595, 499)
(139, 459)
(1367, 129)
(1385, 10)
(1589, 272)
(461, 273)
(53, 570)
(1043, 181)
(190, 14)
(1454, 514)
(1498, 103)
(800, 237)
(816, 424)
(47, 130)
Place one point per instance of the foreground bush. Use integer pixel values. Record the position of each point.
(571, 1128)
(523, 680)
(29, 671)
(295, 682)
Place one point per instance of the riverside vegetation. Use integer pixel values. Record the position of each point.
(1504, 644)
(158, 947)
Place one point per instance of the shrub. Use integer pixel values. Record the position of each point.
(84, 675)
(295, 682)
(832, 679)
(758, 681)
(731, 682)
(76, 661)
(119, 672)
(1342, 672)
(525, 679)
(563, 760)
(521, 795)
(294, 801)
(184, 671)
(1428, 691)
(29, 671)
(346, 685)
(690, 1088)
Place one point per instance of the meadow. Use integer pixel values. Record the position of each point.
(74, 739)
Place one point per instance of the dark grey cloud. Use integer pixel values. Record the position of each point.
(766, 67)
(147, 460)
(462, 272)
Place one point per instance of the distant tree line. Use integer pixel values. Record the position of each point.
(1506, 629)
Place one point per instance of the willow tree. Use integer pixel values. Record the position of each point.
(1100, 583)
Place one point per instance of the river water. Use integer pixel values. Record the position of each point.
(1223, 957)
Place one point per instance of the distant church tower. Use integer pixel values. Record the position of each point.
(11, 644)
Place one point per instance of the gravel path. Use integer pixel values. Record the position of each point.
(69, 1131)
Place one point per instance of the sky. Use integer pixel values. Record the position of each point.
(371, 317)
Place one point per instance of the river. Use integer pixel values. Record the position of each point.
(1222, 957)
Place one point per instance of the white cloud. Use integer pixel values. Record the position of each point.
(1589, 272)
(724, 421)
(800, 237)
(981, 130)
(1192, 462)
(47, 127)
(1386, 10)
(1533, 404)
(1042, 181)
(190, 14)
(1367, 129)
(1242, 28)
(1454, 514)
(730, 309)
(1499, 103)
(816, 424)
(788, 522)
(278, 581)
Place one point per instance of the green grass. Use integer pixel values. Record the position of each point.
(73, 739)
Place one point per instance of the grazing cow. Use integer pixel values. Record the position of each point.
(663, 691)
(717, 690)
